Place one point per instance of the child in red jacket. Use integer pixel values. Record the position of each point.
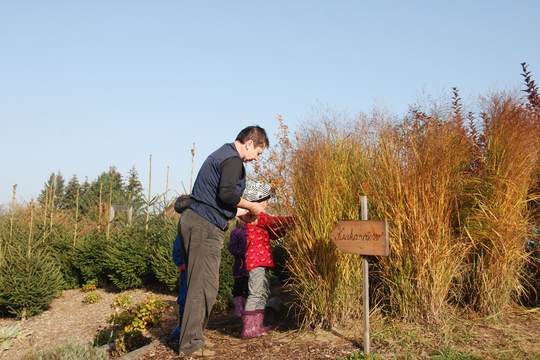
(259, 258)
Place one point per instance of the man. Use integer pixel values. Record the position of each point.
(217, 193)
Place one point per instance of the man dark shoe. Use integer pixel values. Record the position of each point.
(203, 352)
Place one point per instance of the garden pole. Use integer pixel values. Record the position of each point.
(365, 279)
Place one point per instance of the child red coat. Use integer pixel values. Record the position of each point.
(258, 236)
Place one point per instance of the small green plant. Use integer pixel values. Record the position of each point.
(92, 298)
(141, 315)
(69, 350)
(130, 322)
(122, 301)
(90, 285)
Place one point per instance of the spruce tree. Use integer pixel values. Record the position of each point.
(29, 279)
(128, 259)
(52, 194)
(90, 257)
(85, 185)
(161, 238)
(71, 193)
(116, 178)
(107, 188)
(86, 201)
(134, 190)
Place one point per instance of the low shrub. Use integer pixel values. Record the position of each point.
(121, 301)
(92, 298)
(161, 240)
(129, 322)
(90, 285)
(141, 315)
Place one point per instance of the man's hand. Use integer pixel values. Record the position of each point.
(253, 207)
(249, 218)
(257, 209)
(241, 212)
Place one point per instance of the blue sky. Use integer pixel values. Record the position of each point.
(85, 85)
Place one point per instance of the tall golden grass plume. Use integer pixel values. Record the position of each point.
(325, 185)
(413, 180)
(499, 219)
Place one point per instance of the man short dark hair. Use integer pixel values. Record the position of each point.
(255, 133)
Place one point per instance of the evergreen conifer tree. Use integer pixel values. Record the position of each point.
(52, 194)
(107, 188)
(70, 196)
(29, 279)
(86, 202)
(134, 189)
(85, 185)
(128, 259)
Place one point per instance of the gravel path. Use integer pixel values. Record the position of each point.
(69, 318)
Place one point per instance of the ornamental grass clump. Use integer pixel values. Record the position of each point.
(455, 189)
(414, 178)
(499, 218)
(326, 187)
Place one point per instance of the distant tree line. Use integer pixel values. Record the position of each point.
(110, 187)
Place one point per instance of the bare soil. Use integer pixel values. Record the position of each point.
(517, 336)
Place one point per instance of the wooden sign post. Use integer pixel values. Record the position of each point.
(362, 237)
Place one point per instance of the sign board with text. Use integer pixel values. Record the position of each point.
(364, 237)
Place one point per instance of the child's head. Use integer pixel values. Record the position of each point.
(258, 192)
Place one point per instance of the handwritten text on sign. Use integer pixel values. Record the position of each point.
(365, 237)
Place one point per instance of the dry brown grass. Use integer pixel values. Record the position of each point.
(498, 220)
(326, 187)
(414, 181)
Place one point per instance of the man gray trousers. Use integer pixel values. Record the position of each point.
(202, 241)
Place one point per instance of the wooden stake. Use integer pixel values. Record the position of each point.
(365, 280)
(149, 193)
